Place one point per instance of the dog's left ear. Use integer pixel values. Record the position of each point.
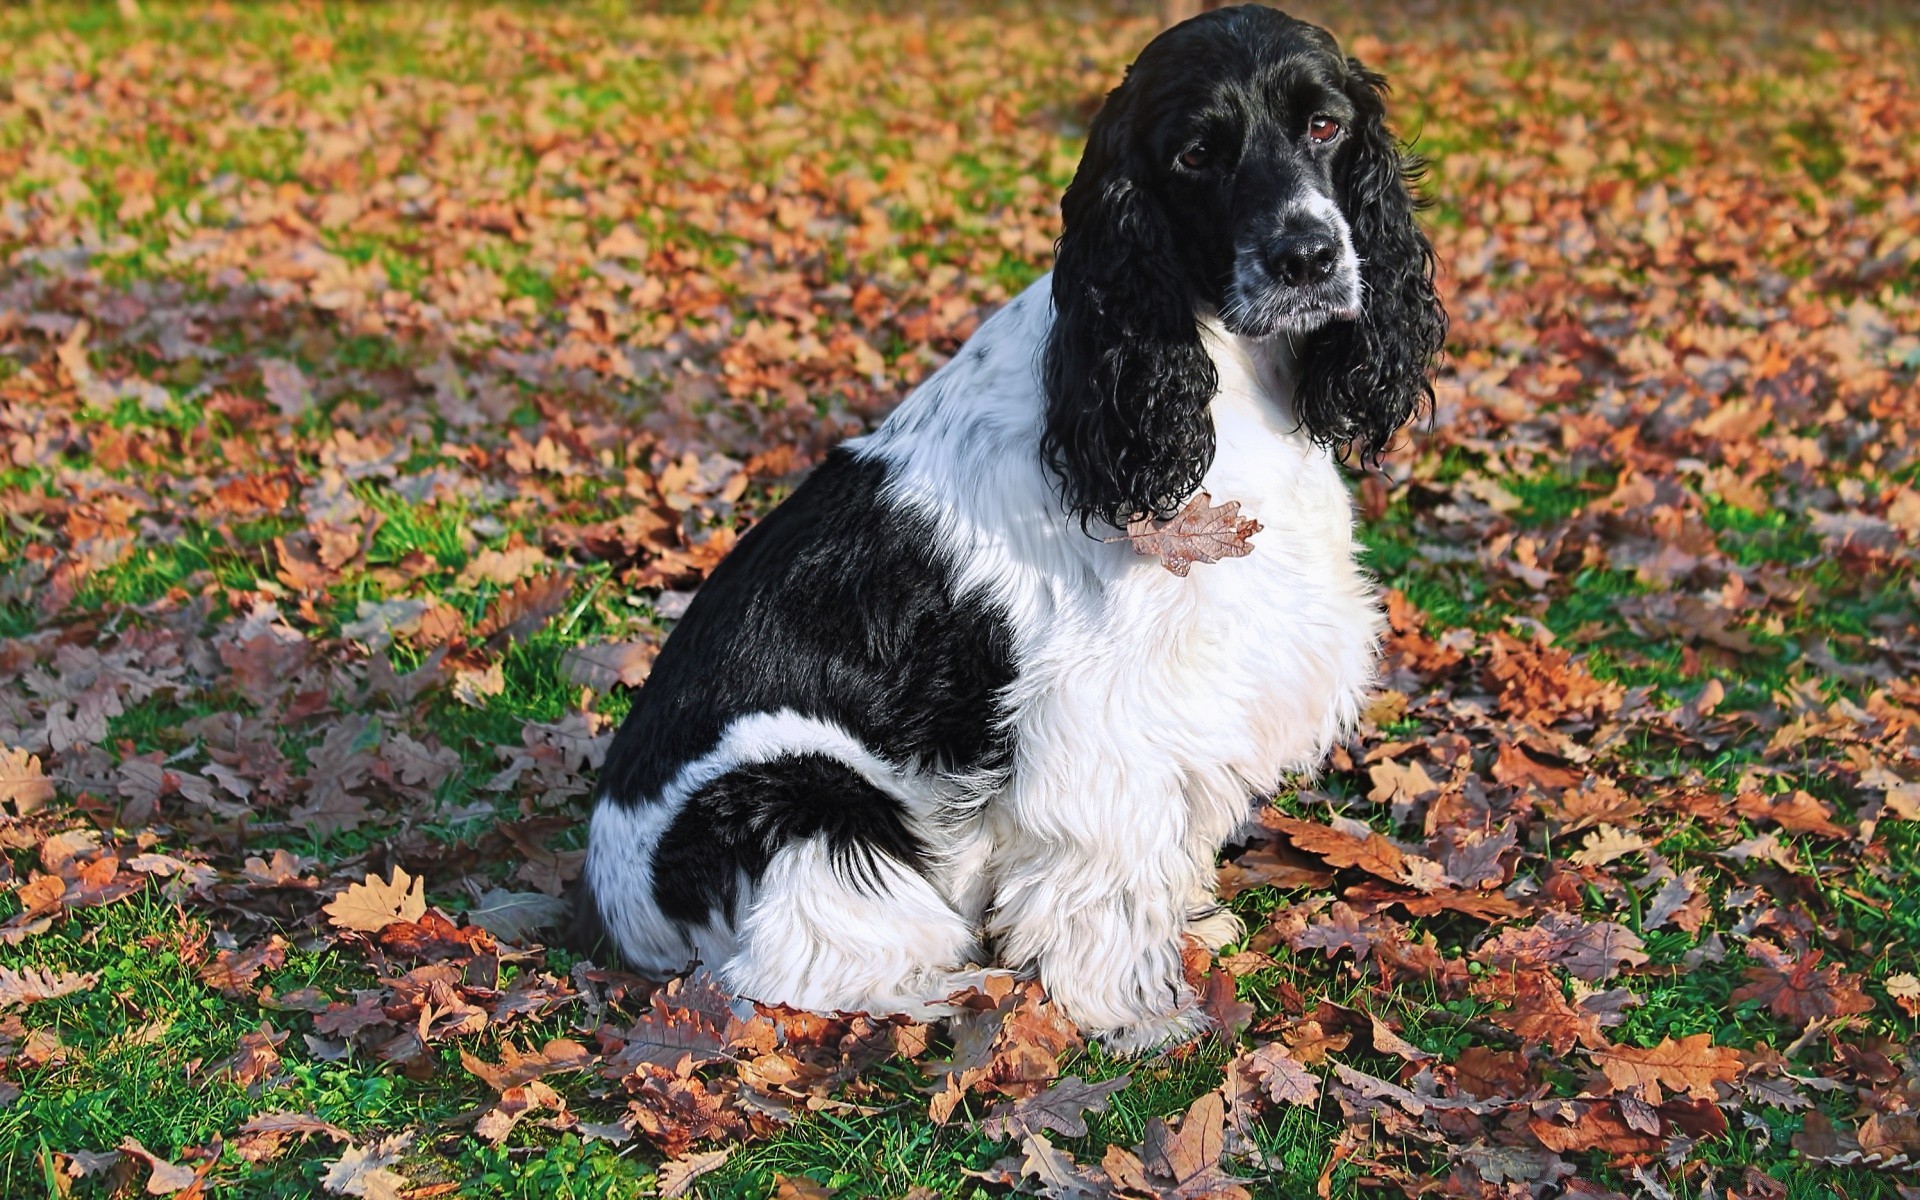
(1361, 380)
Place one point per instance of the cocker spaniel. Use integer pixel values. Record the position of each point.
(934, 711)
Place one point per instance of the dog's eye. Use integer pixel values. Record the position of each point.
(1323, 129)
(1196, 157)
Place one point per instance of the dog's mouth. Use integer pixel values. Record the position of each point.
(1260, 306)
(1282, 312)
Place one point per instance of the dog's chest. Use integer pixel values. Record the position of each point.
(1252, 664)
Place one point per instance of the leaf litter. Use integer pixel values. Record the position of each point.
(347, 526)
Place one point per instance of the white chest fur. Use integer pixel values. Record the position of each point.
(1148, 709)
(1234, 675)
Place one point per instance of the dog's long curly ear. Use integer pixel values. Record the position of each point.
(1127, 379)
(1360, 381)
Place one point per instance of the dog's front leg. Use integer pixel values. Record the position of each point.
(1098, 900)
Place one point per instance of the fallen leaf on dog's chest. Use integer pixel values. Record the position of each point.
(1201, 532)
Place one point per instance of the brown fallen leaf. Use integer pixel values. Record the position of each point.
(1800, 990)
(375, 904)
(255, 1059)
(1373, 854)
(1182, 1164)
(363, 1170)
(522, 609)
(799, 1187)
(1539, 1011)
(691, 1018)
(1270, 866)
(1198, 533)
(514, 1103)
(265, 1135)
(601, 665)
(232, 972)
(23, 783)
(517, 916)
(1591, 950)
(31, 985)
(1061, 1107)
(516, 1067)
(1280, 1075)
(1605, 844)
(1692, 1065)
(1796, 812)
(677, 1175)
(164, 1178)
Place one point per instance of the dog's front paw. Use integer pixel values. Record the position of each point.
(1218, 928)
(1181, 1025)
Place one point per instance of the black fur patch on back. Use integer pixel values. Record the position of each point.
(838, 607)
(734, 825)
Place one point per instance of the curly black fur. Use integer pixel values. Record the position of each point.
(1128, 382)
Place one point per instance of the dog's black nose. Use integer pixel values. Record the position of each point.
(1297, 259)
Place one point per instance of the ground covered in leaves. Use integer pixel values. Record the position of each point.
(377, 383)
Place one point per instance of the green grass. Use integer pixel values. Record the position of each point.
(607, 81)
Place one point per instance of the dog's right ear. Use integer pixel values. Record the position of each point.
(1127, 378)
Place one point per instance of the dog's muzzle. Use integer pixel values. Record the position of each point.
(1297, 279)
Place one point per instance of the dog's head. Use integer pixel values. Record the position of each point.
(1243, 169)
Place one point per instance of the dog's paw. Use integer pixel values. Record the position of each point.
(1220, 927)
(1175, 1028)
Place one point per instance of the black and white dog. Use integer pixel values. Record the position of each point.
(930, 712)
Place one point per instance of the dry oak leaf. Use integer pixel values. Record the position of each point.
(283, 870)
(1692, 1065)
(1904, 989)
(1181, 1164)
(675, 1109)
(1373, 854)
(1796, 812)
(1800, 991)
(256, 1057)
(1605, 844)
(264, 1136)
(799, 1187)
(1198, 533)
(164, 1178)
(1058, 1176)
(1280, 1075)
(1220, 1001)
(601, 665)
(518, 612)
(677, 1175)
(1540, 1012)
(1591, 950)
(22, 781)
(362, 1170)
(515, 1102)
(1062, 1108)
(39, 903)
(375, 904)
(517, 916)
(691, 1018)
(31, 986)
(232, 972)
(1395, 783)
(516, 1067)
(1271, 866)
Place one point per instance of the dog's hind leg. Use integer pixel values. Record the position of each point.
(858, 933)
